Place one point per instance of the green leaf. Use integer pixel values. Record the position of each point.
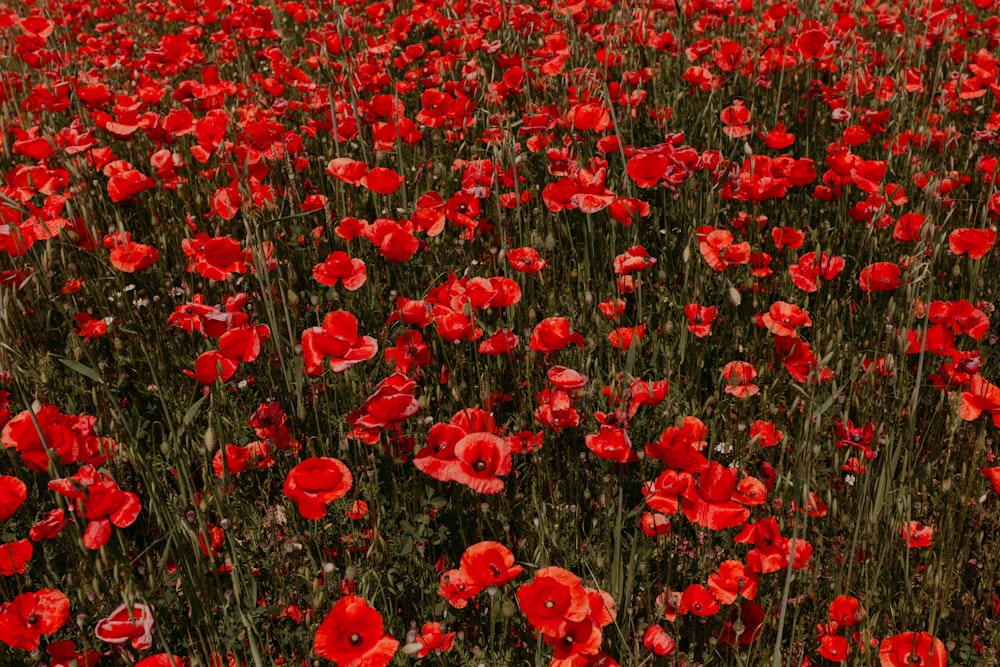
(192, 412)
(85, 371)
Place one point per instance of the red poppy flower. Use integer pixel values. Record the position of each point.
(833, 647)
(711, 502)
(431, 638)
(720, 252)
(880, 277)
(30, 615)
(698, 600)
(765, 433)
(243, 343)
(486, 564)
(909, 228)
(315, 482)
(13, 492)
(338, 339)
(975, 242)
(993, 475)
(739, 377)
(732, 580)
(14, 557)
(127, 182)
(502, 342)
(811, 269)
(611, 443)
(623, 337)
(128, 624)
(481, 459)
(133, 256)
(163, 660)
(912, 649)
(347, 170)
(98, 499)
(846, 610)
(553, 334)
(555, 596)
(749, 619)
(71, 438)
(700, 319)
(211, 366)
(391, 403)
(633, 260)
(612, 309)
(352, 635)
(214, 258)
(983, 396)
(340, 267)
(49, 527)
(237, 458)
(783, 318)
(63, 653)
(381, 180)
(526, 260)
(646, 169)
(917, 535)
(654, 524)
(778, 138)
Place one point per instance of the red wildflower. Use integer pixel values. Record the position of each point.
(912, 649)
(381, 180)
(611, 443)
(782, 319)
(917, 535)
(98, 499)
(983, 396)
(975, 242)
(214, 258)
(657, 641)
(698, 600)
(481, 458)
(431, 638)
(833, 647)
(211, 366)
(14, 557)
(846, 611)
(526, 260)
(340, 267)
(765, 433)
(128, 624)
(553, 334)
(720, 252)
(880, 277)
(486, 564)
(812, 269)
(993, 475)
(315, 482)
(731, 581)
(555, 596)
(633, 260)
(700, 319)
(623, 337)
(352, 635)
(338, 339)
(739, 377)
(13, 492)
(30, 615)
(163, 660)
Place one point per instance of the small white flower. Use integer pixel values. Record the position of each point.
(723, 448)
(850, 479)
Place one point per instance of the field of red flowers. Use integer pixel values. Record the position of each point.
(486, 332)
